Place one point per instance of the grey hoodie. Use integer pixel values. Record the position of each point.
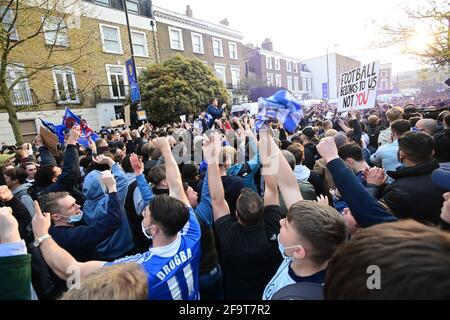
(21, 192)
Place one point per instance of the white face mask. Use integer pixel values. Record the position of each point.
(144, 231)
(283, 249)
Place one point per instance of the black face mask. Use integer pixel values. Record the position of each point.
(101, 150)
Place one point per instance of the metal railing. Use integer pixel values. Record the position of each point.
(24, 97)
(111, 92)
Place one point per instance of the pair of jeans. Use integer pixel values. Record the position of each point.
(211, 284)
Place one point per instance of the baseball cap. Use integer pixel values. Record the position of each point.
(5, 157)
(441, 177)
(309, 132)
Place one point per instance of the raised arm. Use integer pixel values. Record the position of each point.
(71, 168)
(274, 163)
(365, 208)
(144, 188)
(211, 151)
(173, 175)
(61, 262)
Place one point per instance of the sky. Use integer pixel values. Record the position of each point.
(306, 28)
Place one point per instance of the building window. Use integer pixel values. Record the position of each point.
(176, 39)
(197, 43)
(7, 20)
(139, 40)
(270, 79)
(139, 71)
(116, 81)
(304, 84)
(296, 84)
(288, 66)
(289, 82)
(55, 31)
(294, 67)
(102, 2)
(269, 62)
(278, 80)
(384, 74)
(235, 75)
(384, 84)
(217, 47)
(277, 64)
(111, 39)
(132, 7)
(308, 84)
(21, 93)
(221, 72)
(65, 85)
(232, 47)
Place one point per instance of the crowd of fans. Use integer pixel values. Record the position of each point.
(214, 209)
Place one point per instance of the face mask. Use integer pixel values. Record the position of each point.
(144, 231)
(283, 248)
(74, 219)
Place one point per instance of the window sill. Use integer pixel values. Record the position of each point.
(112, 52)
(177, 49)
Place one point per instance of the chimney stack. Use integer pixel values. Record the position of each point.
(188, 11)
(225, 22)
(267, 44)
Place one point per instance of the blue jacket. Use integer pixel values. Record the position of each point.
(95, 207)
(215, 113)
(364, 207)
(81, 241)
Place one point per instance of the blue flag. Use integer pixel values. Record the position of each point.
(58, 130)
(70, 119)
(281, 106)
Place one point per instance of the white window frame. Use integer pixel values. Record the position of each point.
(296, 84)
(304, 85)
(294, 67)
(221, 47)
(61, 32)
(103, 4)
(145, 43)
(28, 99)
(222, 67)
(238, 80)
(103, 38)
(125, 80)
(14, 36)
(309, 84)
(288, 66)
(384, 84)
(139, 70)
(278, 80)
(384, 73)
(270, 79)
(269, 63)
(233, 44)
(277, 64)
(202, 47)
(289, 83)
(135, 2)
(180, 32)
(65, 70)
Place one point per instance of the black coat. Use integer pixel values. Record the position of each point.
(413, 194)
(311, 155)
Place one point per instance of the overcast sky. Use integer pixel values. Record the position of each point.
(305, 28)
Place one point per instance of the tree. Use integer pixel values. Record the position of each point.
(179, 86)
(429, 23)
(39, 28)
